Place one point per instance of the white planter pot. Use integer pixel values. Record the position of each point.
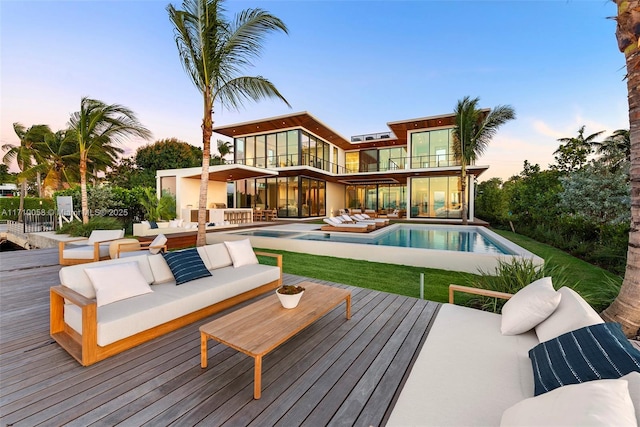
(289, 301)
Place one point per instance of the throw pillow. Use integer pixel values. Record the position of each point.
(153, 224)
(241, 252)
(596, 403)
(145, 223)
(157, 243)
(186, 265)
(117, 282)
(173, 223)
(633, 378)
(529, 306)
(572, 313)
(591, 353)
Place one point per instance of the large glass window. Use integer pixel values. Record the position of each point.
(292, 148)
(282, 148)
(431, 149)
(369, 160)
(261, 149)
(239, 150)
(352, 161)
(376, 197)
(250, 151)
(272, 160)
(420, 150)
(437, 197)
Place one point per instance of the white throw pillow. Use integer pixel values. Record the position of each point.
(160, 240)
(529, 306)
(572, 313)
(173, 223)
(241, 252)
(633, 378)
(594, 403)
(117, 282)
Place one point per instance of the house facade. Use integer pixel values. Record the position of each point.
(309, 170)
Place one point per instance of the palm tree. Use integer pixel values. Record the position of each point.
(96, 128)
(474, 129)
(58, 161)
(615, 149)
(625, 309)
(224, 148)
(214, 51)
(574, 151)
(25, 154)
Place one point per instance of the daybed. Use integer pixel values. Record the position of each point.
(104, 308)
(144, 228)
(469, 373)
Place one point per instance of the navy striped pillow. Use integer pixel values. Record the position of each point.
(186, 265)
(591, 353)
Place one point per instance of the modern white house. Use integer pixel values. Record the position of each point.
(300, 167)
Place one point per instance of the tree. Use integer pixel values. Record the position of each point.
(168, 153)
(615, 149)
(126, 174)
(25, 154)
(491, 202)
(58, 161)
(625, 308)
(225, 148)
(96, 128)
(472, 134)
(574, 152)
(214, 51)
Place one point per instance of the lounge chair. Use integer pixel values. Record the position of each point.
(378, 221)
(159, 244)
(335, 225)
(94, 249)
(362, 221)
(397, 213)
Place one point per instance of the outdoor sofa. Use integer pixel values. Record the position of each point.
(101, 309)
(146, 228)
(475, 368)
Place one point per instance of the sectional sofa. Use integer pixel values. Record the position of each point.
(103, 308)
(483, 369)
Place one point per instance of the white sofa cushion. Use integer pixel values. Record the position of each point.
(594, 403)
(633, 378)
(241, 252)
(529, 306)
(161, 271)
(467, 373)
(167, 302)
(84, 251)
(74, 276)
(154, 247)
(572, 313)
(117, 282)
(218, 255)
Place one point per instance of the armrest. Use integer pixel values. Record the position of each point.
(278, 258)
(72, 296)
(475, 291)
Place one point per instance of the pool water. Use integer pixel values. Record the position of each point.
(459, 239)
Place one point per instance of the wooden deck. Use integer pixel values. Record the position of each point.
(335, 372)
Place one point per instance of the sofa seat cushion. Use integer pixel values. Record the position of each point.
(84, 251)
(467, 373)
(167, 302)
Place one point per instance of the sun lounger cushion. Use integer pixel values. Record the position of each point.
(186, 265)
(167, 302)
(596, 403)
(578, 356)
(529, 306)
(117, 282)
(241, 252)
(572, 313)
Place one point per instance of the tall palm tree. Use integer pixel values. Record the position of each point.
(224, 148)
(625, 309)
(473, 131)
(616, 148)
(58, 161)
(25, 154)
(96, 128)
(214, 51)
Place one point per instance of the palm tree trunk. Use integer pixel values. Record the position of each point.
(463, 188)
(23, 194)
(207, 131)
(83, 188)
(625, 309)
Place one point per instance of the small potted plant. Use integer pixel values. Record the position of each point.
(289, 295)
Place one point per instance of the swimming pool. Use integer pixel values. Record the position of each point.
(408, 236)
(448, 247)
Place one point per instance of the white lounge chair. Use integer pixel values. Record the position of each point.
(94, 249)
(334, 224)
(365, 217)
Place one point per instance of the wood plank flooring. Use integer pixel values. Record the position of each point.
(335, 372)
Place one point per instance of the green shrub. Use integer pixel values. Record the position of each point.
(601, 297)
(9, 206)
(78, 229)
(510, 277)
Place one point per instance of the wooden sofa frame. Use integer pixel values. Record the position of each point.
(476, 291)
(84, 347)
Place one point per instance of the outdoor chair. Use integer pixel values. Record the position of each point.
(128, 249)
(91, 250)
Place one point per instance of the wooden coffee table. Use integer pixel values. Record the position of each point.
(260, 327)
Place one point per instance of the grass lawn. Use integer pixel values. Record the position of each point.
(405, 280)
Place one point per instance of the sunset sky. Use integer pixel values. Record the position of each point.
(355, 65)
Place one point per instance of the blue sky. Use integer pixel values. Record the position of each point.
(355, 65)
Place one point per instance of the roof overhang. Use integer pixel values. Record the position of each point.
(289, 121)
(222, 173)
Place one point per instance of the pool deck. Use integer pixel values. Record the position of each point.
(468, 262)
(336, 371)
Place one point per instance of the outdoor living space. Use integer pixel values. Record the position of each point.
(336, 369)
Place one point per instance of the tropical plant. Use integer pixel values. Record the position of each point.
(573, 152)
(625, 308)
(225, 148)
(510, 277)
(78, 229)
(168, 153)
(58, 161)
(25, 154)
(473, 131)
(615, 150)
(214, 51)
(96, 128)
(155, 209)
